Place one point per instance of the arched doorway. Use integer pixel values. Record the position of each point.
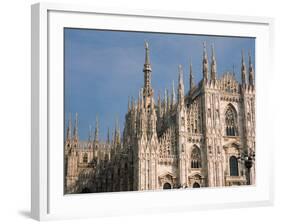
(167, 186)
(86, 190)
(196, 185)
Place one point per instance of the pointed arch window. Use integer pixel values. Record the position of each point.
(233, 165)
(231, 121)
(196, 158)
(85, 158)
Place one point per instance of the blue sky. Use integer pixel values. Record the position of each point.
(104, 68)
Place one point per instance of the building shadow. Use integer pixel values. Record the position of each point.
(25, 213)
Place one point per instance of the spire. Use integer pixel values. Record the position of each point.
(214, 64)
(168, 100)
(139, 103)
(129, 104)
(251, 71)
(159, 104)
(90, 133)
(96, 139)
(147, 73)
(243, 69)
(233, 70)
(180, 88)
(132, 103)
(141, 98)
(180, 70)
(191, 80)
(75, 131)
(117, 139)
(115, 129)
(108, 136)
(173, 96)
(135, 103)
(118, 135)
(68, 132)
(205, 62)
(165, 100)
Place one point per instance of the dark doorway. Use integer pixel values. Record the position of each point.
(196, 185)
(86, 190)
(167, 186)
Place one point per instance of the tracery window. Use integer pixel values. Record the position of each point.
(196, 158)
(233, 165)
(231, 122)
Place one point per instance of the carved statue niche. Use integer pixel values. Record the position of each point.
(209, 117)
(217, 117)
(248, 119)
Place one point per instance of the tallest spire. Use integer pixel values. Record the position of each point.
(147, 90)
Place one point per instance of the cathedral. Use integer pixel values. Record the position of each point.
(203, 137)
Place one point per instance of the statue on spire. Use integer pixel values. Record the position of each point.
(147, 60)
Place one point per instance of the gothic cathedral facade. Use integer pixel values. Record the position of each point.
(198, 138)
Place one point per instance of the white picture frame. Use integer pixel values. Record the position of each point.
(47, 198)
